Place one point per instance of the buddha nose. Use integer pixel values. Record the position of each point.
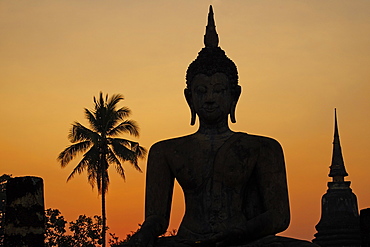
(210, 97)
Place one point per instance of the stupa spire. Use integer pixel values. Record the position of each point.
(211, 36)
(337, 168)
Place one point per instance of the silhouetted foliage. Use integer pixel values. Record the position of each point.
(55, 229)
(85, 231)
(100, 145)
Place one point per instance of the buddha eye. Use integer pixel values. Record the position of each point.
(201, 90)
(219, 89)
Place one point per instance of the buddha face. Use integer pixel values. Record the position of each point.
(211, 97)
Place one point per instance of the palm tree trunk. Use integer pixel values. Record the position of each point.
(103, 186)
(103, 212)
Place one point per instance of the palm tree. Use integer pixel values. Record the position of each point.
(101, 147)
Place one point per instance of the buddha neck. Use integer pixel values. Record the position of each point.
(215, 129)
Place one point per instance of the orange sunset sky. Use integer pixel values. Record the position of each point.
(297, 61)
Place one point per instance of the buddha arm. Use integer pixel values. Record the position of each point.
(273, 191)
(271, 177)
(158, 195)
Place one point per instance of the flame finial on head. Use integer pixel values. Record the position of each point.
(211, 36)
(212, 59)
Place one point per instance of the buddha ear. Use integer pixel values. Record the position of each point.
(189, 100)
(236, 95)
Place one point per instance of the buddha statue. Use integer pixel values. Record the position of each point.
(234, 183)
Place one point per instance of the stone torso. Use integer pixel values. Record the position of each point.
(218, 177)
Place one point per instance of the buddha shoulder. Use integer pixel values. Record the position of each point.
(191, 142)
(258, 141)
(171, 144)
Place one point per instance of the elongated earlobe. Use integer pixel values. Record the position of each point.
(193, 117)
(188, 98)
(232, 113)
(238, 91)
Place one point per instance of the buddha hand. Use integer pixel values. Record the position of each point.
(225, 238)
(140, 239)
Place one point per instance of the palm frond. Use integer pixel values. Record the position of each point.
(133, 146)
(95, 176)
(124, 142)
(123, 112)
(94, 180)
(141, 152)
(114, 100)
(128, 126)
(99, 102)
(90, 116)
(72, 151)
(100, 113)
(94, 168)
(113, 159)
(78, 133)
(89, 158)
(114, 117)
(120, 171)
(124, 153)
(106, 116)
(79, 168)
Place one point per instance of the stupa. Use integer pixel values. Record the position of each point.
(339, 224)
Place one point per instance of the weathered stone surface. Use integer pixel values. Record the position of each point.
(24, 212)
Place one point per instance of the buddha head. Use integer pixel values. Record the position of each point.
(212, 89)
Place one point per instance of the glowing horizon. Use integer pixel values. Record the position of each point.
(297, 61)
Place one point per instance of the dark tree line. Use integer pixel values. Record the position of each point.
(84, 232)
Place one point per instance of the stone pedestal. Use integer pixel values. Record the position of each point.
(24, 212)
